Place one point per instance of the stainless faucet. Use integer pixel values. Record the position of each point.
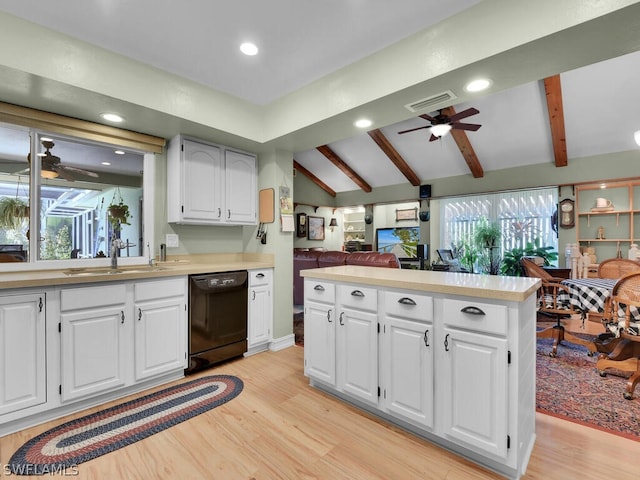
(116, 244)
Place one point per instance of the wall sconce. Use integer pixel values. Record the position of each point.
(333, 223)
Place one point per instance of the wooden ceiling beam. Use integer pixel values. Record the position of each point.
(313, 178)
(346, 169)
(553, 90)
(465, 147)
(394, 156)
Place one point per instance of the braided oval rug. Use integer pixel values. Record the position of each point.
(80, 440)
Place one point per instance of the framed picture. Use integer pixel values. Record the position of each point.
(567, 214)
(301, 225)
(315, 228)
(408, 214)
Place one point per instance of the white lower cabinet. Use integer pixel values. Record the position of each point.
(407, 357)
(457, 371)
(160, 327)
(95, 328)
(114, 335)
(22, 343)
(357, 342)
(260, 310)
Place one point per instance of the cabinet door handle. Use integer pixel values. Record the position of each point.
(219, 212)
(121, 316)
(426, 338)
(260, 275)
(319, 288)
(229, 213)
(341, 322)
(329, 316)
(446, 343)
(407, 301)
(473, 310)
(357, 293)
(254, 294)
(139, 314)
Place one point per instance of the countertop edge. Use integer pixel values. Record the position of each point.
(515, 289)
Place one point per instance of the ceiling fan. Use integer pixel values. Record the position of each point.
(51, 166)
(442, 123)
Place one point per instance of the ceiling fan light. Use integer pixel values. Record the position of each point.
(636, 137)
(48, 174)
(440, 130)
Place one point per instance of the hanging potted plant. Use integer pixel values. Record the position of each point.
(13, 212)
(118, 211)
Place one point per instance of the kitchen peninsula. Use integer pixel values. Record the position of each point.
(448, 356)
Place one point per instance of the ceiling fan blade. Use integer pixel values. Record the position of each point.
(66, 175)
(427, 117)
(413, 129)
(463, 114)
(80, 171)
(466, 126)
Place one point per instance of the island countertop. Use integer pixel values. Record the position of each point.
(496, 287)
(179, 265)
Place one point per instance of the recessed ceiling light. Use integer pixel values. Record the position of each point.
(478, 85)
(119, 152)
(112, 117)
(106, 163)
(363, 123)
(249, 48)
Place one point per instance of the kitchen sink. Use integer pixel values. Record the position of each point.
(87, 272)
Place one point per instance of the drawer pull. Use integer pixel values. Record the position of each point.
(260, 275)
(319, 288)
(329, 316)
(473, 311)
(357, 293)
(407, 301)
(426, 338)
(341, 322)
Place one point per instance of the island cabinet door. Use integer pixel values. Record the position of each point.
(474, 389)
(320, 342)
(408, 370)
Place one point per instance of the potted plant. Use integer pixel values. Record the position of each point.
(487, 237)
(13, 212)
(511, 259)
(118, 211)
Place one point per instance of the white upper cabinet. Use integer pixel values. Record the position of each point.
(210, 184)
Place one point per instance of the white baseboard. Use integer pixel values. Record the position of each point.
(282, 343)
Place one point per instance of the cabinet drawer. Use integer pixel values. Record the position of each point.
(260, 277)
(90, 297)
(409, 305)
(319, 291)
(476, 316)
(357, 296)
(157, 289)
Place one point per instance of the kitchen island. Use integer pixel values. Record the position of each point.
(447, 356)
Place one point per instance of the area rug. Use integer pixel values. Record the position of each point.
(569, 387)
(80, 440)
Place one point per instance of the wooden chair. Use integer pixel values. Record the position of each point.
(549, 304)
(625, 296)
(617, 268)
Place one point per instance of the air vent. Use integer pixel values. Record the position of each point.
(441, 100)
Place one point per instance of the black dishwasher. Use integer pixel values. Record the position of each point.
(217, 318)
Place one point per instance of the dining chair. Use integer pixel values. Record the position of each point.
(621, 313)
(548, 303)
(617, 268)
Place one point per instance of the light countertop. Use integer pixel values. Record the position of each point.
(496, 287)
(183, 265)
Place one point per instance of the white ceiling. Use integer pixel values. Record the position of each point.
(301, 42)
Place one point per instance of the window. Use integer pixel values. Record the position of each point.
(523, 216)
(74, 181)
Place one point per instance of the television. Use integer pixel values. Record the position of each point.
(403, 241)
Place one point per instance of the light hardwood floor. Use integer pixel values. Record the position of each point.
(280, 428)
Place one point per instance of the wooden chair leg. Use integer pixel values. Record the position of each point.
(632, 382)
